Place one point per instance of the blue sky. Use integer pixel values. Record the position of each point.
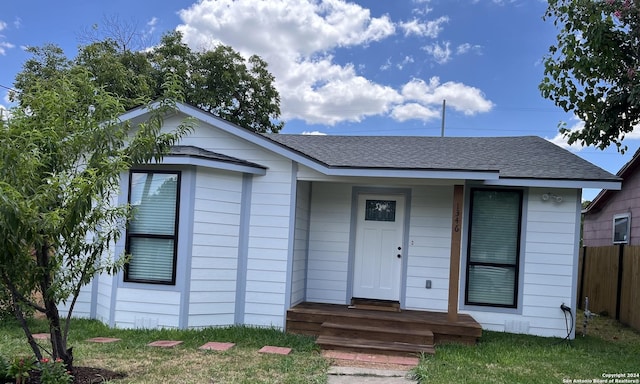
(365, 67)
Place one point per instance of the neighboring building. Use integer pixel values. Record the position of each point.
(609, 219)
(235, 227)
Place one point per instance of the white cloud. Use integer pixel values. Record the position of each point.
(297, 39)
(441, 54)
(467, 47)
(424, 7)
(386, 65)
(325, 93)
(460, 97)
(405, 61)
(286, 28)
(431, 28)
(314, 133)
(414, 111)
(151, 27)
(4, 45)
(561, 139)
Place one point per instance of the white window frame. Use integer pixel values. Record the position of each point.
(617, 217)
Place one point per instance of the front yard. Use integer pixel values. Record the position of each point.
(609, 349)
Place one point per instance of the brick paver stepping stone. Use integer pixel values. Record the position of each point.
(165, 343)
(103, 340)
(275, 350)
(41, 336)
(216, 346)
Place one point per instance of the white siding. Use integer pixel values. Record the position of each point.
(214, 258)
(82, 308)
(147, 308)
(329, 243)
(300, 243)
(548, 258)
(429, 248)
(269, 224)
(269, 243)
(103, 305)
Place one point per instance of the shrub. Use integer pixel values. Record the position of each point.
(19, 369)
(4, 371)
(54, 372)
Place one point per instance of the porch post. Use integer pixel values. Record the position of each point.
(454, 267)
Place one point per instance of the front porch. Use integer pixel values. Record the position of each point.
(408, 332)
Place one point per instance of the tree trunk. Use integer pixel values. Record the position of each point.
(27, 331)
(58, 337)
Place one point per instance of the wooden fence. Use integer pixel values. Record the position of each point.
(610, 277)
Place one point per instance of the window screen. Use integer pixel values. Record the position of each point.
(152, 231)
(494, 247)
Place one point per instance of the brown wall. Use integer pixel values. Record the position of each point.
(598, 226)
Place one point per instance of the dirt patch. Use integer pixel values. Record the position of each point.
(85, 375)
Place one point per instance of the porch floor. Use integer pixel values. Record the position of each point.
(408, 332)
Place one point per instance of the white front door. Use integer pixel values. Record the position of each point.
(379, 247)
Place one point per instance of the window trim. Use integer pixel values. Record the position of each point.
(516, 267)
(627, 216)
(174, 237)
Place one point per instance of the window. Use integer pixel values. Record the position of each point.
(380, 210)
(152, 233)
(621, 225)
(493, 251)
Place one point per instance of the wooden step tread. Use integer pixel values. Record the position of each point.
(371, 328)
(440, 319)
(375, 305)
(371, 345)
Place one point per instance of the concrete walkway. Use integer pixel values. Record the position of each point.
(353, 375)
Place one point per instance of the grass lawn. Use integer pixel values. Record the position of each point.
(184, 363)
(608, 348)
(498, 358)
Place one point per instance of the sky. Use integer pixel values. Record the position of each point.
(358, 67)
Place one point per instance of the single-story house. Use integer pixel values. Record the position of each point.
(235, 227)
(608, 218)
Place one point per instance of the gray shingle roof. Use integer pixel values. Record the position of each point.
(513, 157)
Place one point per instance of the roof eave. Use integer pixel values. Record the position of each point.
(557, 183)
(413, 173)
(211, 163)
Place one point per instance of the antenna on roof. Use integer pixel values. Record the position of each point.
(444, 104)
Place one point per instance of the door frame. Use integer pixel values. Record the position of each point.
(355, 193)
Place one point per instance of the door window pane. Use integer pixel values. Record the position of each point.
(380, 210)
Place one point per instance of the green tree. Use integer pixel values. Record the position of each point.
(62, 153)
(593, 69)
(220, 80)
